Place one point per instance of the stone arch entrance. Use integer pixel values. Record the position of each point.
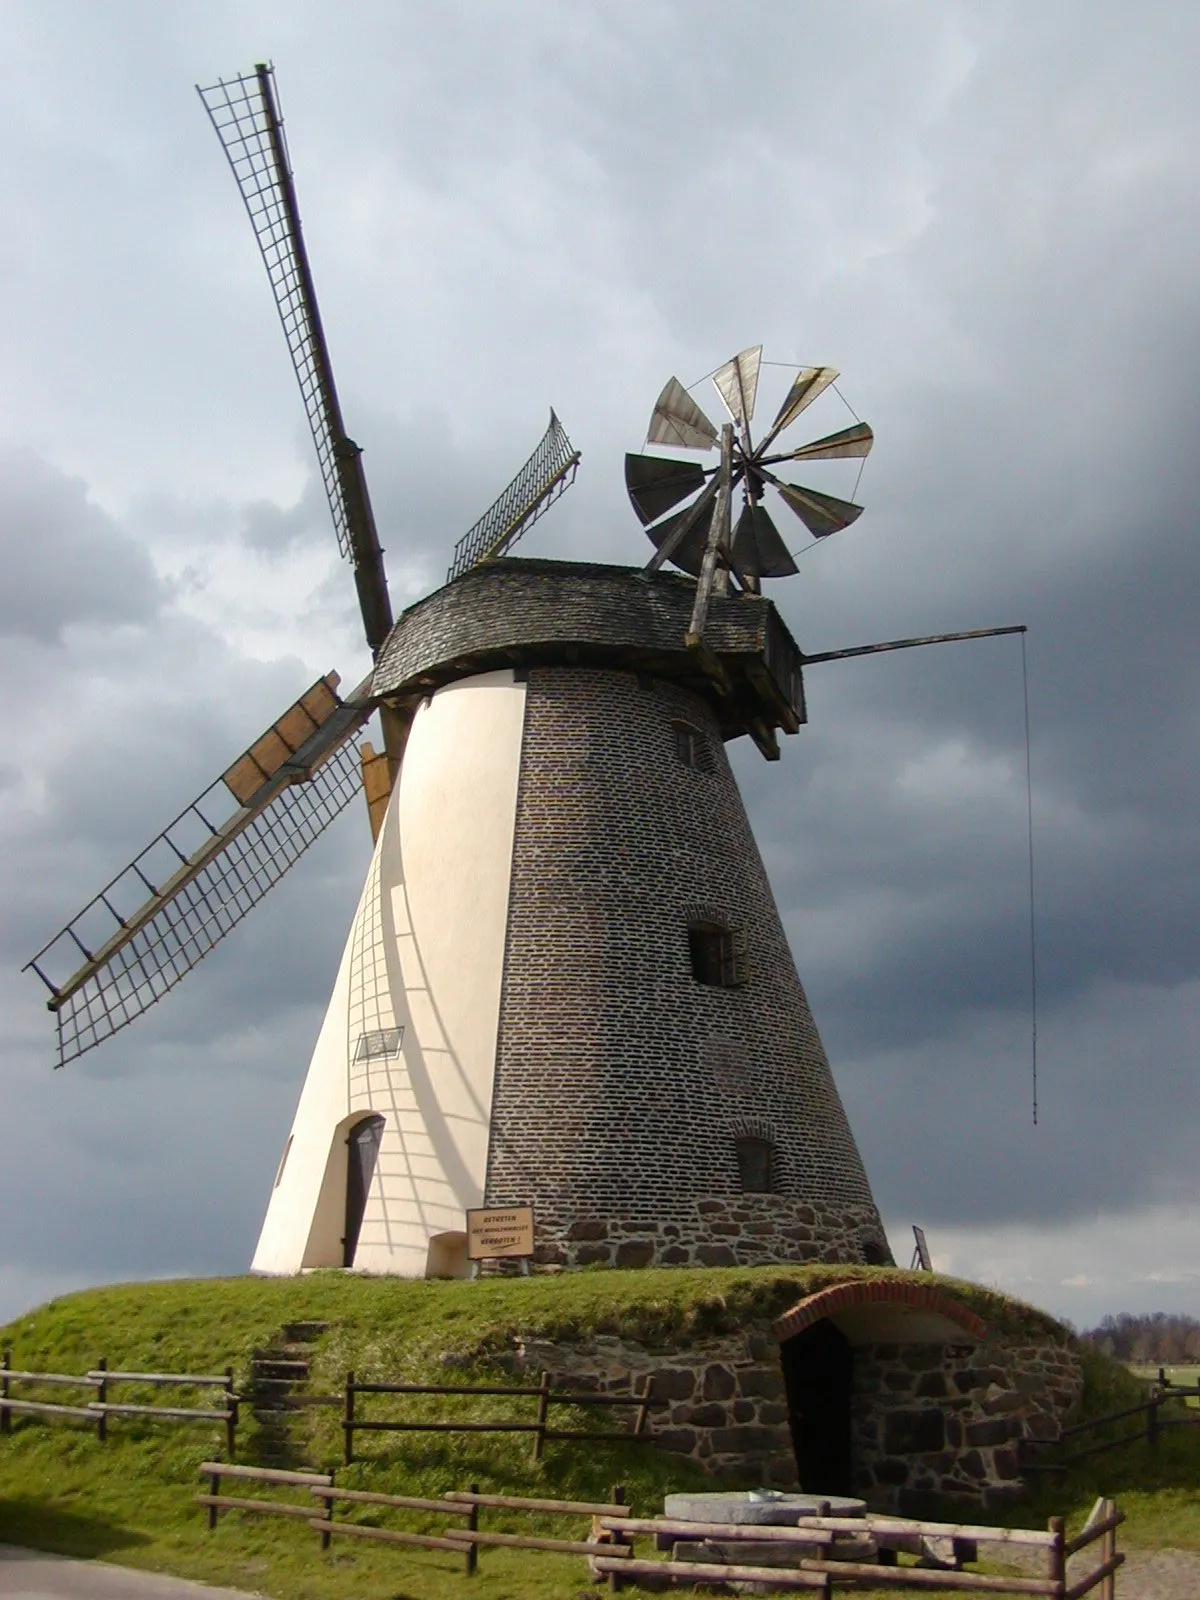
(818, 1342)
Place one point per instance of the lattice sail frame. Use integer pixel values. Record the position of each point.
(548, 473)
(243, 116)
(191, 885)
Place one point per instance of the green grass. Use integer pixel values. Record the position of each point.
(1185, 1377)
(130, 1500)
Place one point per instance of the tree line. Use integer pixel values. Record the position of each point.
(1155, 1338)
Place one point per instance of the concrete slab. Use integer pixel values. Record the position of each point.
(758, 1506)
(35, 1575)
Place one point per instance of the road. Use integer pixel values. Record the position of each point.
(30, 1575)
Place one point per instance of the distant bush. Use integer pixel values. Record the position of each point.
(1154, 1338)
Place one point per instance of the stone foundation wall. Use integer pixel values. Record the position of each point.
(947, 1419)
(725, 1403)
(743, 1230)
(927, 1419)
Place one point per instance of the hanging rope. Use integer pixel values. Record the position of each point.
(1032, 919)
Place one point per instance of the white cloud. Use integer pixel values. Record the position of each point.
(1146, 1259)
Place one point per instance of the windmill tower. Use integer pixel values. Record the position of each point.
(566, 983)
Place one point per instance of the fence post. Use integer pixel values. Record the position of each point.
(325, 1535)
(643, 1410)
(1058, 1560)
(5, 1414)
(231, 1407)
(348, 1420)
(1108, 1549)
(539, 1438)
(1152, 1423)
(214, 1489)
(102, 1397)
(473, 1527)
(618, 1499)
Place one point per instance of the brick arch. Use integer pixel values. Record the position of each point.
(881, 1292)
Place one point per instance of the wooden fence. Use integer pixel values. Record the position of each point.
(1151, 1428)
(610, 1543)
(815, 1565)
(101, 1380)
(353, 1422)
(459, 1506)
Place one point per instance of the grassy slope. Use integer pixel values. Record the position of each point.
(130, 1499)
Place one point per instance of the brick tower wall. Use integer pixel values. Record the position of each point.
(622, 1082)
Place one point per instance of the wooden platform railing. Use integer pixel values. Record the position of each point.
(101, 1379)
(353, 1422)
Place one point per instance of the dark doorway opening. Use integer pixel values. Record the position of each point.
(362, 1152)
(818, 1365)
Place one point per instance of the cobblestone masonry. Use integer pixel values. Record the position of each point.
(927, 1418)
(945, 1419)
(622, 1083)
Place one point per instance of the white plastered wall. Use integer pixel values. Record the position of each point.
(425, 954)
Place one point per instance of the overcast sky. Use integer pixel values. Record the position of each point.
(985, 215)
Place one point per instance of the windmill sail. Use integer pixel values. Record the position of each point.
(245, 114)
(548, 473)
(196, 881)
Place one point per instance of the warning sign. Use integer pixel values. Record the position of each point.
(495, 1231)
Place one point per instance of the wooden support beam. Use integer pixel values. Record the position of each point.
(377, 784)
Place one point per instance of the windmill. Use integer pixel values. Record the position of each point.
(213, 863)
(566, 983)
(696, 538)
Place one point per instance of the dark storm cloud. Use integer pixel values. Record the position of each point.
(985, 216)
(65, 561)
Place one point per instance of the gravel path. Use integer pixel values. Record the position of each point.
(32, 1575)
(1160, 1575)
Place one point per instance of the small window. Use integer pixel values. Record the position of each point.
(382, 1043)
(691, 747)
(756, 1166)
(718, 955)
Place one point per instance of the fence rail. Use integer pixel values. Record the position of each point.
(539, 1427)
(456, 1506)
(1154, 1425)
(101, 1379)
(892, 1536)
(811, 1545)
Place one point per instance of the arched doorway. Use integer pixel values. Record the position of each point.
(818, 1365)
(362, 1152)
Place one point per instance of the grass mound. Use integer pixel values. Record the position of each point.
(130, 1499)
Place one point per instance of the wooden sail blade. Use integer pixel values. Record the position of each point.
(245, 113)
(808, 383)
(758, 547)
(678, 420)
(821, 514)
(656, 483)
(737, 384)
(190, 886)
(547, 474)
(852, 443)
(688, 554)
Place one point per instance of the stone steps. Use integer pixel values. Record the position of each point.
(277, 1372)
